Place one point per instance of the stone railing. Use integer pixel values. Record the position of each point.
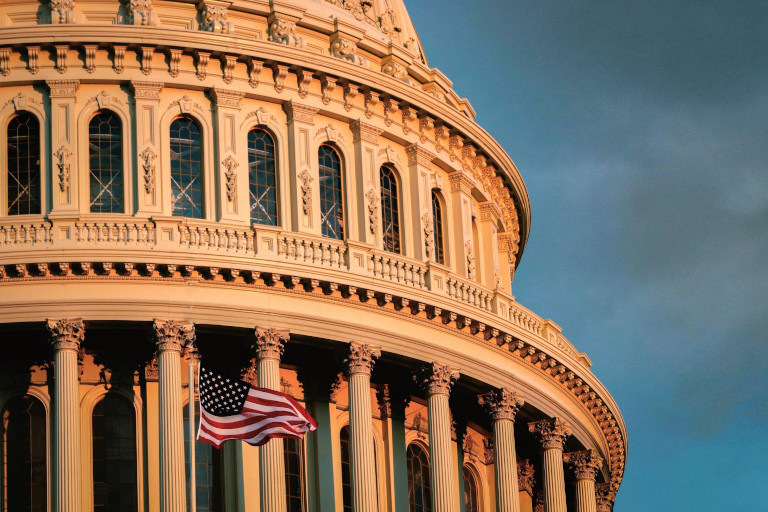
(469, 293)
(216, 237)
(386, 265)
(526, 319)
(117, 231)
(15, 234)
(313, 251)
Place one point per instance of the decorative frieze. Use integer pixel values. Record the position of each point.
(226, 98)
(66, 334)
(585, 464)
(436, 379)
(551, 432)
(417, 155)
(140, 13)
(365, 132)
(269, 343)
(298, 112)
(214, 17)
(173, 336)
(501, 404)
(283, 31)
(146, 90)
(62, 11)
(360, 359)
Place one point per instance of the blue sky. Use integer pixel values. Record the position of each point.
(641, 131)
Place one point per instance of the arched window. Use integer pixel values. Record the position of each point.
(331, 197)
(208, 488)
(390, 210)
(346, 469)
(114, 455)
(437, 221)
(419, 498)
(186, 168)
(105, 158)
(471, 503)
(294, 488)
(262, 178)
(23, 164)
(24, 439)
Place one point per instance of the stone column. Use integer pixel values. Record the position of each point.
(171, 338)
(268, 346)
(585, 466)
(552, 434)
(502, 405)
(358, 366)
(605, 495)
(437, 379)
(66, 337)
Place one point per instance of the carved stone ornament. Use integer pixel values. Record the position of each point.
(173, 336)
(470, 255)
(140, 13)
(373, 209)
(525, 476)
(418, 420)
(146, 90)
(269, 343)
(306, 191)
(298, 112)
(66, 334)
(488, 454)
(350, 93)
(469, 447)
(429, 235)
(33, 56)
(398, 71)
(538, 502)
(605, 495)
(230, 176)
(150, 369)
(62, 11)
(214, 17)
(552, 432)
(5, 61)
(63, 154)
(284, 32)
(327, 85)
(365, 132)
(202, 64)
(148, 164)
(331, 133)
(417, 155)
(436, 379)
(345, 49)
(585, 464)
(501, 404)
(360, 359)
(250, 373)
(388, 23)
(63, 88)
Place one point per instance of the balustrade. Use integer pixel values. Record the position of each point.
(322, 252)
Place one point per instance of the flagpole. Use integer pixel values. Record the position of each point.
(191, 388)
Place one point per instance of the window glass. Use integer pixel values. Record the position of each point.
(419, 498)
(105, 158)
(262, 179)
(23, 428)
(331, 199)
(293, 481)
(186, 169)
(390, 210)
(114, 455)
(208, 487)
(23, 164)
(470, 490)
(437, 220)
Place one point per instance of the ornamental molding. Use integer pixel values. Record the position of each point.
(282, 31)
(20, 102)
(436, 379)
(254, 71)
(490, 211)
(173, 336)
(299, 112)
(146, 90)
(202, 59)
(63, 154)
(429, 235)
(469, 253)
(501, 404)
(526, 476)
(417, 155)
(461, 182)
(66, 334)
(551, 432)
(306, 191)
(104, 100)
(63, 88)
(62, 11)
(327, 86)
(230, 177)
(263, 117)
(585, 464)
(185, 104)
(331, 133)
(147, 158)
(140, 13)
(390, 154)
(226, 98)
(214, 17)
(373, 209)
(268, 343)
(605, 495)
(360, 359)
(365, 132)
(398, 71)
(346, 49)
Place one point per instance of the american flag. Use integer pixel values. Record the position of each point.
(233, 409)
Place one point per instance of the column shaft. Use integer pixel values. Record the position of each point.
(585, 495)
(172, 485)
(66, 412)
(440, 459)
(554, 480)
(362, 461)
(507, 498)
(271, 454)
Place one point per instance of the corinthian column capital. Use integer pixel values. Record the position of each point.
(269, 343)
(501, 404)
(585, 464)
(173, 336)
(360, 359)
(66, 334)
(436, 379)
(605, 496)
(551, 432)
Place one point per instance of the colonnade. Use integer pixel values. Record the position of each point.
(435, 379)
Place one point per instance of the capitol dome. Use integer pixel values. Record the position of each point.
(287, 190)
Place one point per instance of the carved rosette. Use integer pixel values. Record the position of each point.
(585, 464)
(66, 334)
(551, 433)
(501, 404)
(605, 495)
(173, 336)
(525, 476)
(436, 379)
(360, 359)
(269, 343)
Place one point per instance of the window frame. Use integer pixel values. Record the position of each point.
(439, 225)
(39, 115)
(277, 187)
(395, 209)
(125, 181)
(205, 205)
(342, 192)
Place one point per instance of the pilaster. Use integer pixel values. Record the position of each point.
(302, 162)
(150, 188)
(488, 222)
(66, 337)
(231, 160)
(419, 172)
(65, 185)
(461, 184)
(367, 184)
